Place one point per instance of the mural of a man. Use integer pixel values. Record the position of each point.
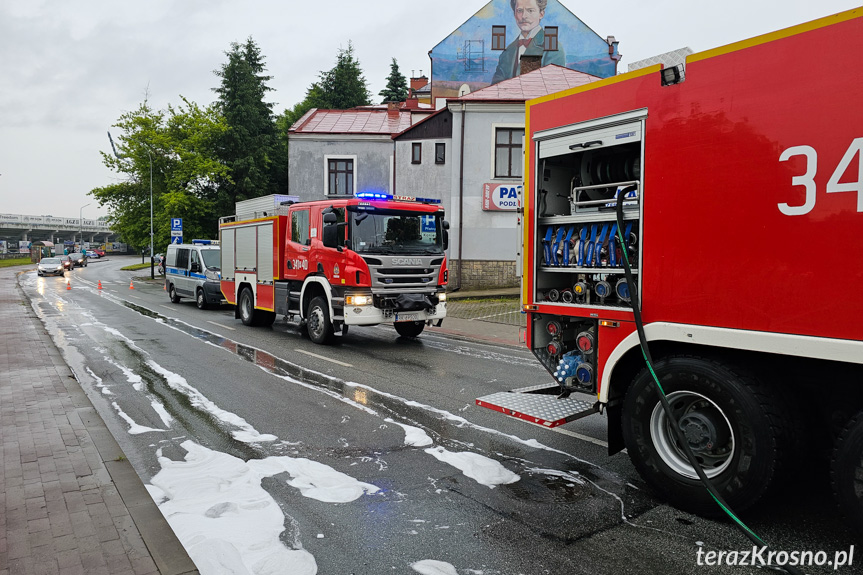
(530, 41)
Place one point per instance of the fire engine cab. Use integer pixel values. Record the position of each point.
(733, 190)
(364, 260)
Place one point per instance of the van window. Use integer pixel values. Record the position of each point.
(182, 258)
(171, 258)
(300, 226)
(211, 259)
(195, 259)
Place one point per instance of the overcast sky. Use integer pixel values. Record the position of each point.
(70, 68)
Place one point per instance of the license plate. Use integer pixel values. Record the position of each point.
(407, 316)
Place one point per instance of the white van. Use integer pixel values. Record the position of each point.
(192, 270)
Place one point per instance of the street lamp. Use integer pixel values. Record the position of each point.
(150, 155)
(81, 222)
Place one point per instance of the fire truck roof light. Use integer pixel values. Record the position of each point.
(381, 196)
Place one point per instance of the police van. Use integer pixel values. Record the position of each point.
(192, 270)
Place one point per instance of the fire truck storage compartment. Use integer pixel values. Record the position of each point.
(583, 170)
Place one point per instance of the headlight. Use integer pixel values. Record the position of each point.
(441, 296)
(358, 300)
(211, 275)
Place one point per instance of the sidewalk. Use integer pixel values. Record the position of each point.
(70, 503)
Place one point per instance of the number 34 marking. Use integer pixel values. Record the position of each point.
(807, 180)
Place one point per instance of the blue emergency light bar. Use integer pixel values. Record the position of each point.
(380, 196)
(203, 242)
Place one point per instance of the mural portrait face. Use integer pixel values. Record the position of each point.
(527, 15)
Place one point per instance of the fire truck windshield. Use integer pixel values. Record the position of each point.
(395, 231)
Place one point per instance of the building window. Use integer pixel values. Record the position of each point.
(498, 37)
(440, 153)
(416, 153)
(340, 174)
(507, 152)
(550, 39)
(300, 227)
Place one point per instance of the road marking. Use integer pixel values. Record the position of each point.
(167, 307)
(132, 296)
(581, 436)
(324, 358)
(222, 325)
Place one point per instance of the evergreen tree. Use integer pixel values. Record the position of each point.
(248, 145)
(342, 87)
(397, 86)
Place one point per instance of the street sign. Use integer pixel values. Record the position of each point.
(176, 225)
(176, 239)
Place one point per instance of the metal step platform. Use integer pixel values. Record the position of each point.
(538, 404)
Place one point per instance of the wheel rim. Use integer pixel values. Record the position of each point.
(173, 293)
(706, 428)
(316, 323)
(246, 307)
(200, 299)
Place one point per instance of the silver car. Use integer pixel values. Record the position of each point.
(50, 267)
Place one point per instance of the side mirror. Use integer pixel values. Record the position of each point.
(445, 240)
(331, 235)
(445, 225)
(195, 267)
(330, 218)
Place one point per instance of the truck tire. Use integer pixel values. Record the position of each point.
(318, 323)
(409, 328)
(172, 293)
(200, 299)
(846, 472)
(246, 307)
(736, 427)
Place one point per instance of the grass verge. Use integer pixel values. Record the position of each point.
(15, 262)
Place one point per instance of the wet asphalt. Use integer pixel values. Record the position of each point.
(574, 510)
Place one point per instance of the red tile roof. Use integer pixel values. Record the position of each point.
(547, 80)
(356, 121)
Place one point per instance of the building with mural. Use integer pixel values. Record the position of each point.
(492, 45)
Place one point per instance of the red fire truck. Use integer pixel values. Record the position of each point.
(740, 178)
(364, 260)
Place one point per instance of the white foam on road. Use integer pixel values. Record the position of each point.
(433, 567)
(482, 469)
(134, 428)
(245, 432)
(131, 376)
(414, 436)
(227, 522)
(314, 480)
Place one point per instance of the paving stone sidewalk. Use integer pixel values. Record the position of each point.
(70, 503)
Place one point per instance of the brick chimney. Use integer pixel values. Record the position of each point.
(417, 83)
(393, 109)
(529, 64)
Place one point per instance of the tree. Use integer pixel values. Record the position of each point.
(182, 143)
(247, 147)
(397, 86)
(344, 86)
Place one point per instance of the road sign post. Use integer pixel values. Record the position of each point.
(176, 230)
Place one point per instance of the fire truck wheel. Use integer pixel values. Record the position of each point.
(735, 427)
(200, 300)
(172, 293)
(246, 307)
(846, 471)
(318, 322)
(409, 328)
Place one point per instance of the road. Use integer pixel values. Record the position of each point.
(270, 454)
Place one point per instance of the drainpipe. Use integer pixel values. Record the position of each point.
(461, 197)
(395, 167)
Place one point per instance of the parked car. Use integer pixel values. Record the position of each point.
(51, 267)
(93, 254)
(80, 259)
(100, 252)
